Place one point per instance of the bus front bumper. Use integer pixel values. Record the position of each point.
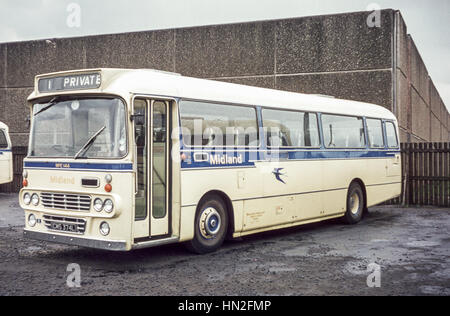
(76, 241)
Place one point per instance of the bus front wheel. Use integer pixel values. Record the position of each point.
(211, 223)
(355, 204)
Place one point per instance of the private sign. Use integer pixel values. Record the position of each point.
(75, 82)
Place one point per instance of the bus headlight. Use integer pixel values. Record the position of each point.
(108, 206)
(104, 229)
(35, 199)
(27, 198)
(32, 220)
(98, 205)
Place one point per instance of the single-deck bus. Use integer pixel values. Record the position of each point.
(6, 162)
(126, 159)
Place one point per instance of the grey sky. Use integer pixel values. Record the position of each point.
(428, 21)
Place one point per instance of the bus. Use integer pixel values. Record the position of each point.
(127, 159)
(6, 161)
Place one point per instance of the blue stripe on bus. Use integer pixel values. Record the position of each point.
(219, 159)
(80, 166)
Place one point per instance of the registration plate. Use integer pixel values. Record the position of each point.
(65, 227)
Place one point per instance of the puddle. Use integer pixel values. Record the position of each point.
(422, 244)
(30, 250)
(379, 240)
(357, 268)
(297, 252)
(281, 269)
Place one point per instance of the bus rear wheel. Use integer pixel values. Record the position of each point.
(355, 204)
(211, 224)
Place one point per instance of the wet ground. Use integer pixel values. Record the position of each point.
(409, 247)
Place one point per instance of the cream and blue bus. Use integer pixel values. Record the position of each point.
(6, 160)
(127, 159)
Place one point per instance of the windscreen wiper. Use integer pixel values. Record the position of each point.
(89, 142)
(50, 104)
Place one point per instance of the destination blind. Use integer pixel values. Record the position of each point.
(73, 82)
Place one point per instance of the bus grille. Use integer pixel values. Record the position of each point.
(70, 202)
(65, 224)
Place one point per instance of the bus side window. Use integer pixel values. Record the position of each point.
(391, 135)
(276, 139)
(220, 125)
(140, 122)
(3, 140)
(375, 133)
(290, 128)
(310, 130)
(343, 131)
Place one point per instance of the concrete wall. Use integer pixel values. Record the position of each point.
(337, 55)
(334, 55)
(422, 114)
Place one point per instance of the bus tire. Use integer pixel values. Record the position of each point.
(210, 226)
(355, 204)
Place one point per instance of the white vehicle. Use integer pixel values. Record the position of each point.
(126, 159)
(6, 160)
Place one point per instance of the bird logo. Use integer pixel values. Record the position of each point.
(278, 174)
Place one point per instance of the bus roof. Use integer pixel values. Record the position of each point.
(3, 126)
(159, 83)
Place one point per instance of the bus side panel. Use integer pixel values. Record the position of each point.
(290, 194)
(292, 177)
(187, 218)
(261, 214)
(285, 192)
(385, 184)
(238, 184)
(337, 176)
(372, 172)
(394, 167)
(380, 194)
(264, 213)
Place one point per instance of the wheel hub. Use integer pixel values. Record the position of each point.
(210, 223)
(354, 203)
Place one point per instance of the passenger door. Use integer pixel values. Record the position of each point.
(5, 158)
(151, 121)
(159, 162)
